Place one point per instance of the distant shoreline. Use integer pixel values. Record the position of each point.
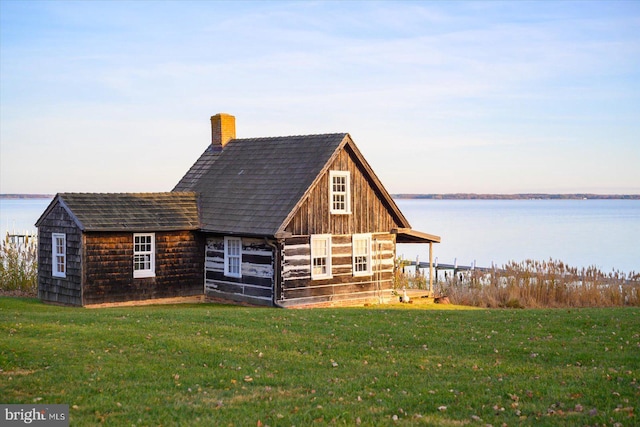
(26, 196)
(519, 196)
(446, 196)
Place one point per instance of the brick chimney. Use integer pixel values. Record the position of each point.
(223, 130)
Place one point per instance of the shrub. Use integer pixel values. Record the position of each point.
(18, 268)
(542, 284)
(408, 281)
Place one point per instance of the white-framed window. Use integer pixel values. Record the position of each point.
(362, 255)
(340, 192)
(59, 255)
(144, 255)
(321, 256)
(233, 256)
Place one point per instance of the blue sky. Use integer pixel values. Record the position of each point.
(441, 97)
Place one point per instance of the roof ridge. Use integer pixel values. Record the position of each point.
(150, 193)
(342, 134)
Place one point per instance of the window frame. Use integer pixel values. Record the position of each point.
(326, 256)
(346, 193)
(140, 273)
(228, 257)
(369, 258)
(55, 255)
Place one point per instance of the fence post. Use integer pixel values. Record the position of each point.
(430, 269)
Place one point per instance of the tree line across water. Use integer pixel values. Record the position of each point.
(520, 196)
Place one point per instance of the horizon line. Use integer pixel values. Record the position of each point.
(428, 196)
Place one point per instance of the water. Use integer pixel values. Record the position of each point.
(20, 215)
(581, 233)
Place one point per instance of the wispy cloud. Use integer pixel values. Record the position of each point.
(428, 76)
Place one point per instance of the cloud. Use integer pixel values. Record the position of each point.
(423, 77)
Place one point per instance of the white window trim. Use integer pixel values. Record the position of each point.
(227, 257)
(367, 238)
(327, 240)
(150, 272)
(55, 271)
(347, 209)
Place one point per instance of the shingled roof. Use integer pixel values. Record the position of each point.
(252, 185)
(129, 211)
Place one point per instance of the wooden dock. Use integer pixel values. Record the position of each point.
(21, 238)
(454, 268)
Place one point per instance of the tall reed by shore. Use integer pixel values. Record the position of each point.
(537, 284)
(19, 268)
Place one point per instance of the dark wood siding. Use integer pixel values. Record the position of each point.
(369, 213)
(299, 289)
(62, 290)
(109, 267)
(256, 284)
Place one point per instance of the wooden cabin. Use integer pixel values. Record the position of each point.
(111, 248)
(290, 221)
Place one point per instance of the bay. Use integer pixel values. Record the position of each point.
(580, 233)
(20, 215)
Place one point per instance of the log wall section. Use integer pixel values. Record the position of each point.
(298, 289)
(108, 267)
(257, 271)
(60, 290)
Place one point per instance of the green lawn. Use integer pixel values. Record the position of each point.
(225, 365)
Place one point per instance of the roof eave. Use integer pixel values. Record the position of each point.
(260, 234)
(133, 229)
(386, 196)
(407, 235)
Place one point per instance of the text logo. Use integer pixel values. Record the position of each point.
(35, 415)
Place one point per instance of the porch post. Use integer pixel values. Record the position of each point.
(431, 269)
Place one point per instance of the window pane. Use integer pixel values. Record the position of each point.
(234, 265)
(143, 255)
(362, 254)
(233, 257)
(143, 262)
(320, 266)
(58, 254)
(339, 194)
(320, 257)
(318, 247)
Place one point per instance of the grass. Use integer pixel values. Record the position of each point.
(382, 365)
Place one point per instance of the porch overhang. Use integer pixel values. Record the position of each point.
(407, 235)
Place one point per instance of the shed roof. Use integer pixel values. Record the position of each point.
(129, 211)
(407, 235)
